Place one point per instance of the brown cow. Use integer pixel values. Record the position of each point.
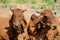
(18, 24)
(17, 19)
(33, 25)
(46, 21)
(54, 23)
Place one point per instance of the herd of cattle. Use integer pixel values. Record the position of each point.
(32, 25)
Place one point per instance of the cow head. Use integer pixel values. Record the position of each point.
(17, 19)
(34, 23)
(49, 17)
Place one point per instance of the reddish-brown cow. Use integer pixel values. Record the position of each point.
(18, 22)
(32, 25)
(54, 22)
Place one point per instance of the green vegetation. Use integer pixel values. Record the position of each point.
(21, 1)
(38, 7)
(46, 3)
(4, 1)
(26, 1)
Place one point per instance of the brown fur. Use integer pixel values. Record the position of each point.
(54, 21)
(36, 26)
(18, 23)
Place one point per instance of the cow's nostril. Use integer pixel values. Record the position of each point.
(16, 26)
(53, 27)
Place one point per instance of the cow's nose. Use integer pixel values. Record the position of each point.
(16, 26)
(53, 27)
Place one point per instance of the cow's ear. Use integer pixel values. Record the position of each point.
(11, 9)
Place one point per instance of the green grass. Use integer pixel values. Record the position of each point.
(38, 7)
(26, 1)
(33, 2)
(5, 3)
(21, 1)
(48, 3)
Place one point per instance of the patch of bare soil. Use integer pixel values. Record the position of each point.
(5, 16)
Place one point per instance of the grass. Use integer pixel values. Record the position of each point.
(4, 1)
(21, 1)
(50, 3)
(26, 1)
(38, 7)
